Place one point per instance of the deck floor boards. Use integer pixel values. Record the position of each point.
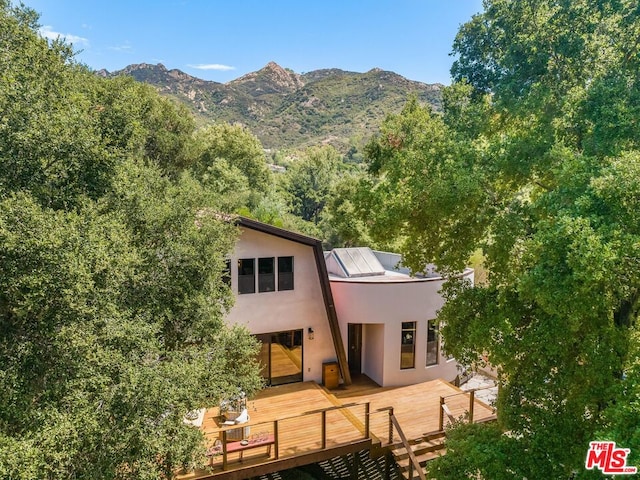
(416, 407)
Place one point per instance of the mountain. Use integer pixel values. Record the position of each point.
(285, 109)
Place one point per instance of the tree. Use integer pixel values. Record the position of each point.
(134, 120)
(310, 180)
(421, 169)
(239, 148)
(48, 142)
(62, 138)
(536, 161)
(341, 222)
(111, 266)
(111, 329)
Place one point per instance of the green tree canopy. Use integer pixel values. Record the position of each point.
(64, 129)
(235, 147)
(535, 161)
(111, 264)
(134, 120)
(342, 223)
(310, 180)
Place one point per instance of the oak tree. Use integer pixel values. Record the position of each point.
(111, 266)
(536, 161)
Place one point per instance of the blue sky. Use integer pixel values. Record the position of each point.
(222, 40)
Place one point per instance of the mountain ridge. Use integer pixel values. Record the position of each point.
(288, 110)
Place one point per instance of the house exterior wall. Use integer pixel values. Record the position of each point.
(300, 308)
(372, 345)
(389, 303)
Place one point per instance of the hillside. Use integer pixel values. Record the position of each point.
(289, 110)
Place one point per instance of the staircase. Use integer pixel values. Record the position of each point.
(425, 448)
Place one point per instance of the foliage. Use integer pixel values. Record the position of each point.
(100, 359)
(536, 162)
(61, 138)
(222, 146)
(133, 118)
(342, 222)
(422, 170)
(620, 418)
(310, 181)
(476, 451)
(48, 139)
(111, 262)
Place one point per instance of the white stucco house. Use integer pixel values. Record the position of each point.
(388, 317)
(283, 297)
(354, 307)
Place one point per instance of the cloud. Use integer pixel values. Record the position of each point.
(48, 33)
(125, 47)
(212, 66)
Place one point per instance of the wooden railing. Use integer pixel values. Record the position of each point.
(306, 433)
(414, 464)
(468, 413)
(389, 412)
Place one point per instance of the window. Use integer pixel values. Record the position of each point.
(266, 275)
(408, 345)
(246, 275)
(432, 342)
(285, 273)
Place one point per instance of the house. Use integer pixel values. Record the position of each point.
(309, 308)
(283, 297)
(388, 317)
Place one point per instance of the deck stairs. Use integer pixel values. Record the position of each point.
(426, 448)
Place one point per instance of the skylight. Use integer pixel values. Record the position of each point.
(358, 262)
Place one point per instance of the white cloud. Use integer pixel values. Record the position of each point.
(125, 47)
(48, 32)
(212, 66)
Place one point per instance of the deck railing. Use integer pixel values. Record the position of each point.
(453, 414)
(291, 436)
(414, 464)
(324, 429)
(460, 408)
(390, 439)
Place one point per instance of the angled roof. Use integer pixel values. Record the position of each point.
(323, 277)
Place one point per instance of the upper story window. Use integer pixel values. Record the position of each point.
(266, 274)
(432, 342)
(246, 275)
(285, 273)
(408, 345)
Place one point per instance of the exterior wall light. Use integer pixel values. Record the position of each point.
(311, 333)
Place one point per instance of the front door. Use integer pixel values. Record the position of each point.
(355, 348)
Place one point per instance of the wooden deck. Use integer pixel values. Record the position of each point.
(295, 415)
(416, 407)
(311, 424)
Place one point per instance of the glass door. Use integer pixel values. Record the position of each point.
(281, 357)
